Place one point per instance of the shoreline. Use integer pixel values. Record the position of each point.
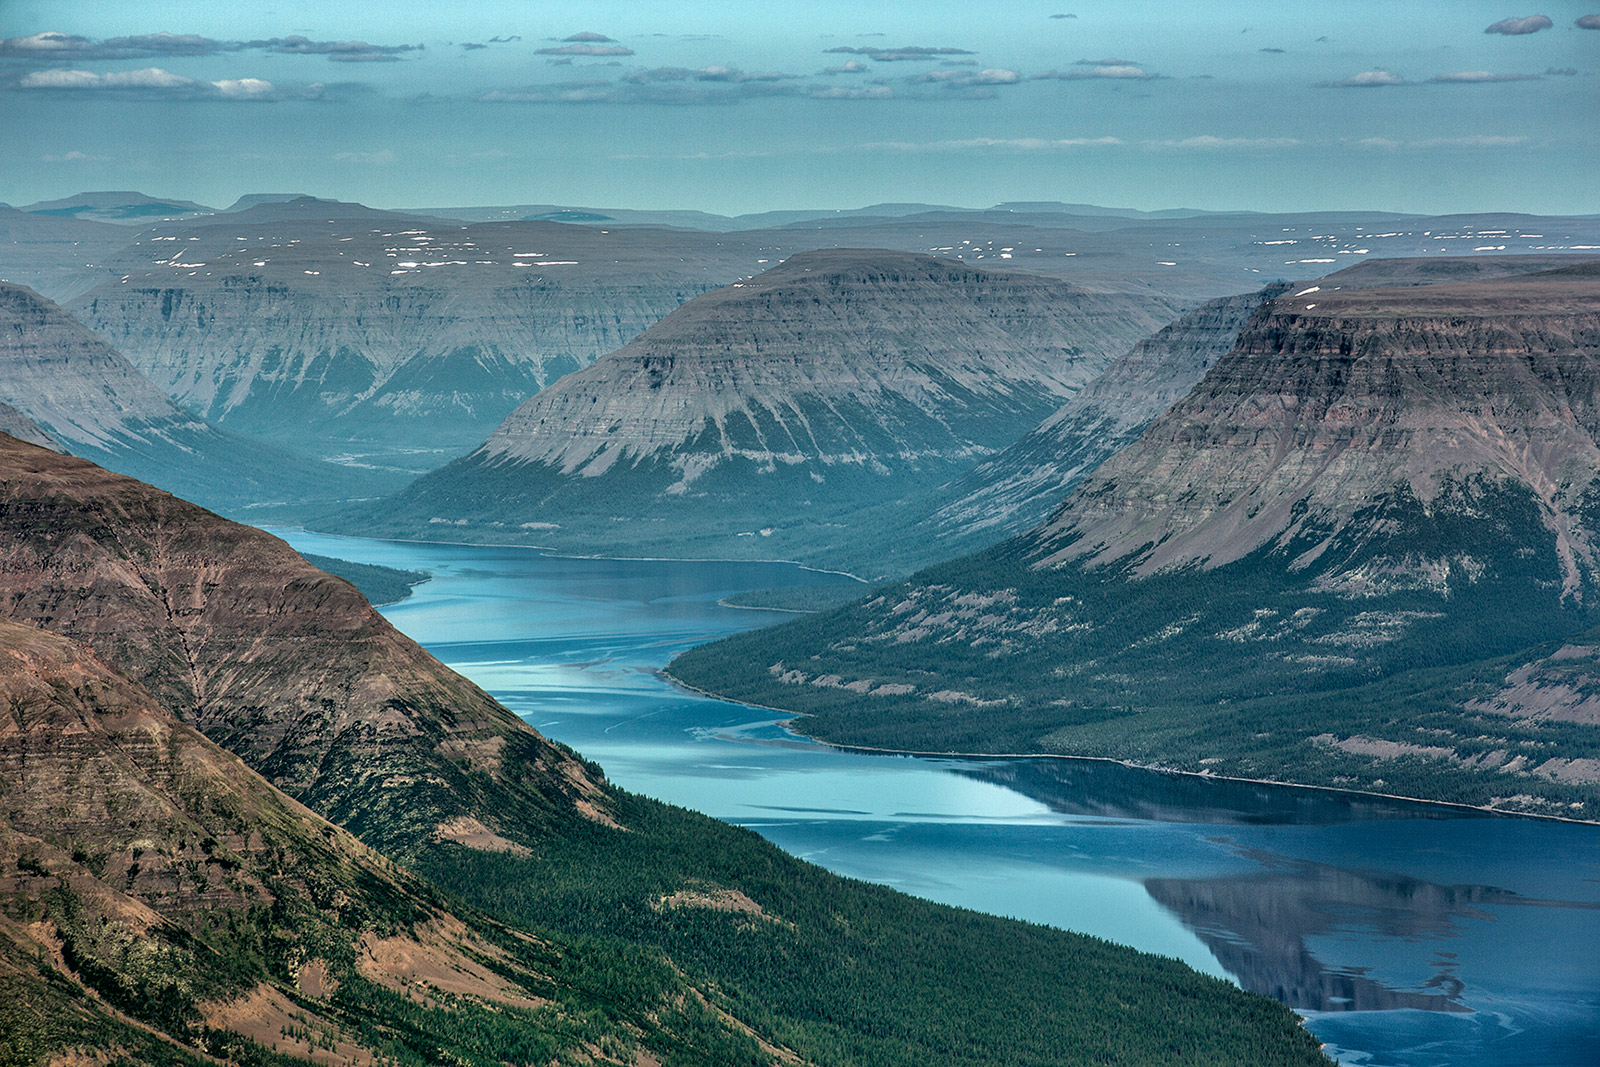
(558, 554)
(870, 750)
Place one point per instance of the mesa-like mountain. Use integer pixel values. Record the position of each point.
(86, 398)
(162, 902)
(121, 206)
(346, 329)
(1361, 552)
(760, 419)
(1021, 486)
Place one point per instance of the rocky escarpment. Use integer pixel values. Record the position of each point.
(1018, 488)
(383, 332)
(1353, 555)
(160, 902)
(268, 656)
(772, 410)
(1338, 398)
(93, 402)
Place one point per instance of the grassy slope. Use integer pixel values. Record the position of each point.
(1244, 667)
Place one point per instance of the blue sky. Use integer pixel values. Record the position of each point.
(734, 107)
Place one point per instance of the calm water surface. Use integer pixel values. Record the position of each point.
(1408, 935)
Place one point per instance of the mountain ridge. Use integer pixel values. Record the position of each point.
(769, 409)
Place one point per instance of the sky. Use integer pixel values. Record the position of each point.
(733, 107)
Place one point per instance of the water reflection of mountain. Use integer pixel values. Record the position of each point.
(1099, 788)
(1258, 925)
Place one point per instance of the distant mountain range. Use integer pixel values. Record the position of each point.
(1361, 552)
(767, 417)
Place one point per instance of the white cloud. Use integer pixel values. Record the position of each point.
(1368, 79)
(964, 77)
(74, 157)
(1111, 71)
(1477, 140)
(1480, 77)
(61, 79)
(1024, 144)
(1207, 142)
(244, 88)
(1516, 27)
(154, 80)
(839, 92)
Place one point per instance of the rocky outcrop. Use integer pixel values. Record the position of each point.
(774, 409)
(268, 656)
(91, 401)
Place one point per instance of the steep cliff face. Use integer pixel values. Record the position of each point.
(268, 656)
(385, 331)
(1324, 565)
(1336, 399)
(93, 402)
(772, 409)
(1018, 488)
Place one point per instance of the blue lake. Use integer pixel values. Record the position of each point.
(1408, 935)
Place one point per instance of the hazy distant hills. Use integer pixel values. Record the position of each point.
(1338, 560)
(91, 401)
(349, 331)
(126, 207)
(59, 257)
(167, 673)
(761, 418)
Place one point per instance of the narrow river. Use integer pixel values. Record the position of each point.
(1406, 934)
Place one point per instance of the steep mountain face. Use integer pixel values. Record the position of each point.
(162, 903)
(18, 425)
(367, 330)
(1324, 565)
(265, 654)
(93, 402)
(771, 409)
(1018, 488)
(1340, 398)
